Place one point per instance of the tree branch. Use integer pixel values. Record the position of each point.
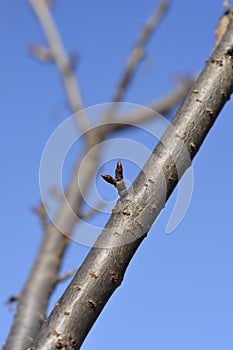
(85, 297)
(41, 9)
(43, 278)
(40, 211)
(138, 51)
(163, 105)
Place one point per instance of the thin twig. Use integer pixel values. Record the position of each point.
(41, 53)
(162, 105)
(66, 275)
(138, 51)
(42, 214)
(63, 62)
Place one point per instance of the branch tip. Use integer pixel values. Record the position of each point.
(119, 171)
(109, 179)
(41, 53)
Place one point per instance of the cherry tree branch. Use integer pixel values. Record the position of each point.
(31, 309)
(78, 308)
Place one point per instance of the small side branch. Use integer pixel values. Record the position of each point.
(138, 51)
(40, 211)
(66, 275)
(162, 105)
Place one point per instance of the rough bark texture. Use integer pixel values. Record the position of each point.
(43, 277)
(103, 269)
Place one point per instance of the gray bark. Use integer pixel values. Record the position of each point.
(103, 269)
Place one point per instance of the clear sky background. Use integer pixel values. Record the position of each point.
(178, 290)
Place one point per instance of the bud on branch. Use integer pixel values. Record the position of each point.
(118, 181)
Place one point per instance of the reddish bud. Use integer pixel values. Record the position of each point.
(119, 171)
(109, 179)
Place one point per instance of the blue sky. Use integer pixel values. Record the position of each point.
(177, 291)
